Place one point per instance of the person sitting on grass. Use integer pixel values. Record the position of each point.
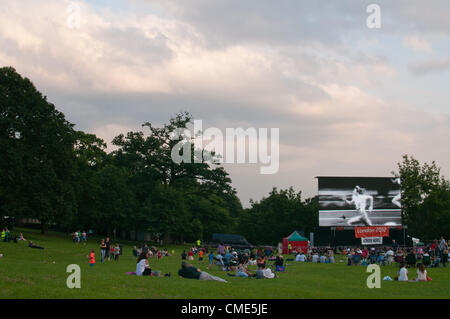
(356, 258)
(190, 272)
(380, 259)
(444, 257)
(421, 273)
(402, 273)
(135, 251)
(183, 255)
(349, 258)
(300, 257)
(265, 272)
(31, 245)
(190, 255)
(242, 271)
(219, 262)
(426, 259)
(331, 256)
(315, 257)
(142, 266)
(21, 237)
(410, 258)
(322, 259)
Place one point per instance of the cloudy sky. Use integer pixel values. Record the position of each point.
(347, 99)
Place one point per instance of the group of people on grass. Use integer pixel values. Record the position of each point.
(236, 261)
(79, 236)
(109, 251)
(153, 251)
(433, 255)
(421, 273)
(7, 237)
(316, 255)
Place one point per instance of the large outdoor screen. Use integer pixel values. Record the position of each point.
(359, 201)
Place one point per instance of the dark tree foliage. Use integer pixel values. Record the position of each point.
(38, 164)
(277, 216)
(425, 199)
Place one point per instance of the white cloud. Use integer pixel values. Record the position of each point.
(325, 94)
(417, 44)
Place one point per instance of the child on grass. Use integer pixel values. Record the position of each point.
(211, 259)
(91, 258)
(116, 252)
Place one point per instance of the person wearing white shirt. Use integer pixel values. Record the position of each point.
(300, 257)
(403, 273)
(390, 256)
(268, 273)
(421, 273)
(142, 266)
(315, 258)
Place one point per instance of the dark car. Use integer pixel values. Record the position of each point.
(235, 241)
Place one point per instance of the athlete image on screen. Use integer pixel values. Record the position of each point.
(360, 199)
(397, 199)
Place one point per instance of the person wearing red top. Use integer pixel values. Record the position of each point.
(365, 253)
(91, 258)
(190, 255)
(159, 254)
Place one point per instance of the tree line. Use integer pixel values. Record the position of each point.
(65, 177)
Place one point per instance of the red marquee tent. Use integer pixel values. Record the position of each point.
(296, 241)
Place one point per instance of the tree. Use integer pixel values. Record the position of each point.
(277, 215)
(37, 168)
(424, 194)
(182, 200)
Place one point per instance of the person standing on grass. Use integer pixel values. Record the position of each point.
(200, 255)
(211, 259)
(116, 252)
(108, 248)
(394, 246)
(221, 249)
(91, 258)
(442, 246)
(103, 249)
(444, 257)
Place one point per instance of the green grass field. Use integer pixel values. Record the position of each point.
(35, 273)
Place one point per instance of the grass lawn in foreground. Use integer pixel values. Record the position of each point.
(36, 273)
